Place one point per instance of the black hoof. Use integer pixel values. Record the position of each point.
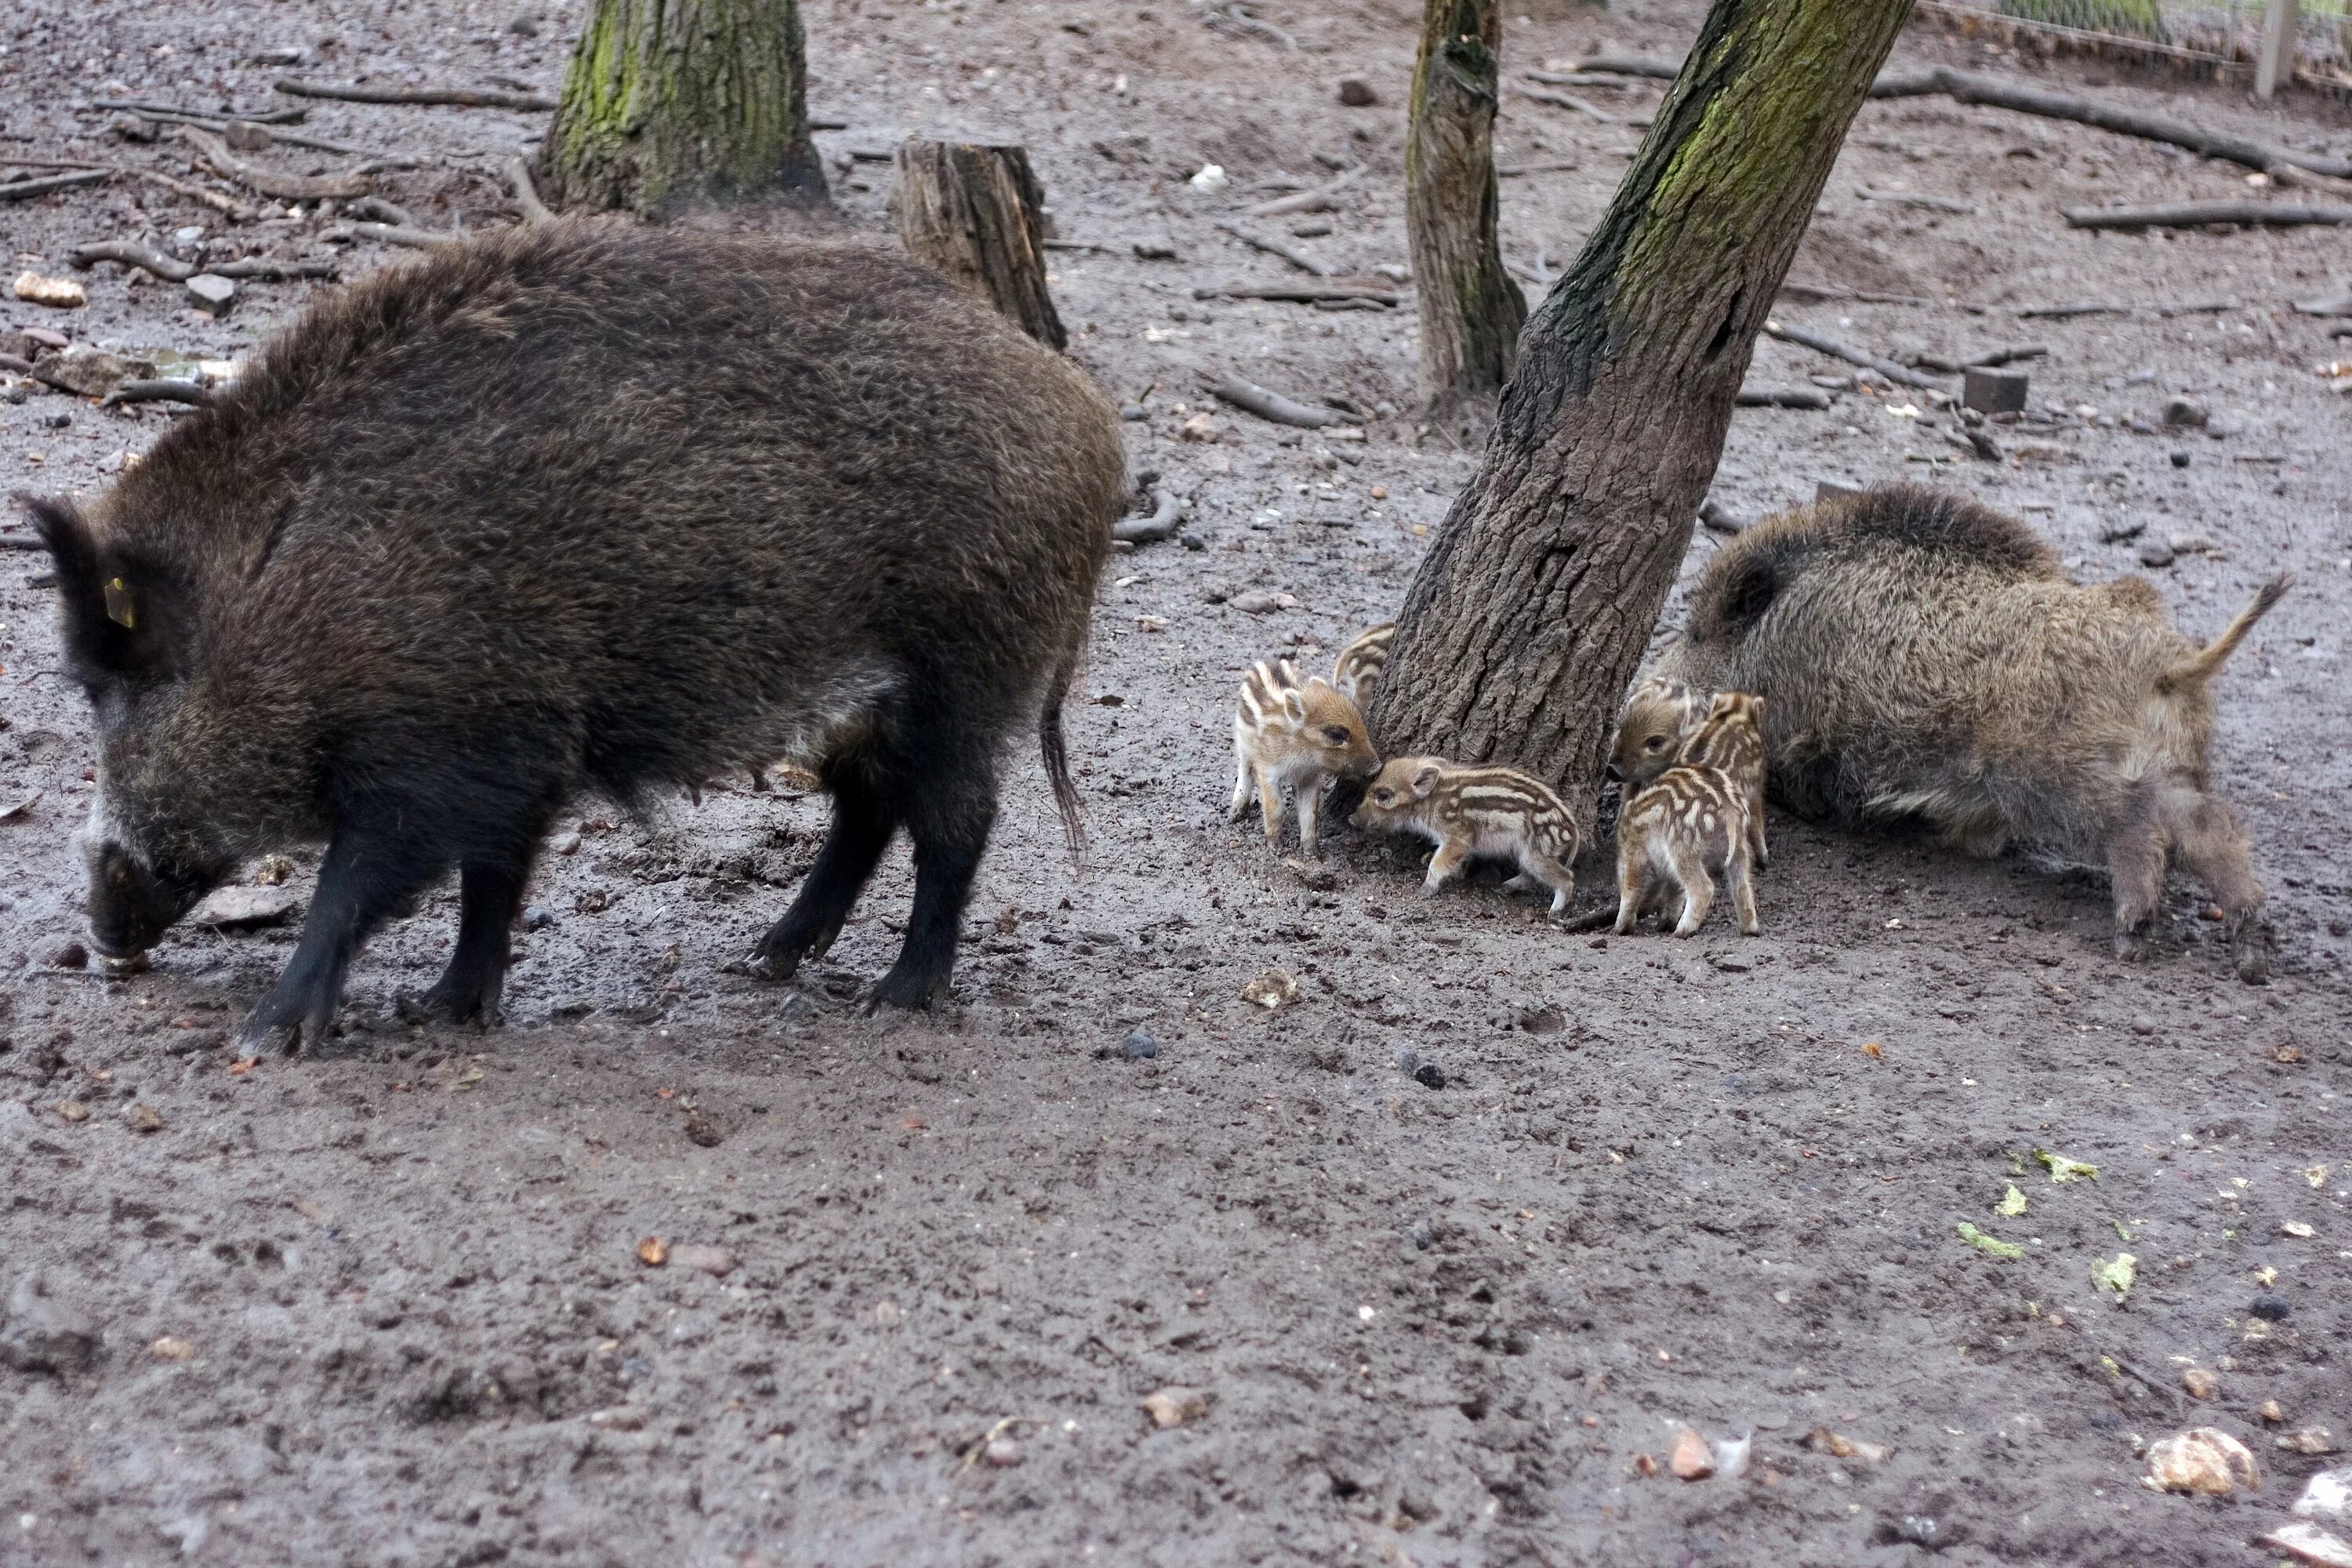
(2252, 940)
(2132, 947)
(448, 1003)
(907, 992)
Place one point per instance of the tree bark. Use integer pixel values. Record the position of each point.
(976, 212)
(1538, 597)
(1471, 309)
(671, 103)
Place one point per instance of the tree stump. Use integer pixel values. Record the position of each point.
(1471, 309)
(1528, 617)
(667, 103)
(975, 211)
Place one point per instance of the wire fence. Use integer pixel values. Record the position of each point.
(2219, 36)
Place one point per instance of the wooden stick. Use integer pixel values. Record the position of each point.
(290, 116)
(1901, 375)
(285, 188)
(222, 121)
(1906, 199)
(1167, 515)
(1248, 23)
(1819, 293)
(2194, 215)
(388, 233)
(1300, 293)
(2341, 305)
(1632, 65)
(526, 194)
(23, 189)
(1297, 258)
(16, 365)
(227, 206)
(1782, 397)
(129, 254)
(1550, 166)
(1967, 87)
(1318, 200)
(1991, 359)
(1567, 100)
(2106, 307)
(1252, 398)
(157, 391)
(450, 96)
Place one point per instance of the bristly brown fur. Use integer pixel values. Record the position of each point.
(1925, 656)
(596, 507)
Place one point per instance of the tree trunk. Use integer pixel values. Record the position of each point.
(670, 103)
(1527, 620)
(1471, 309)
(976, 213)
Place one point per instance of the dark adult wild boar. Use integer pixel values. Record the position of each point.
(578, 509)
(1922, 655)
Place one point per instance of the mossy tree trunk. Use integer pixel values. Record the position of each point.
(1471, 310)
(1529, 616)
(671, 103)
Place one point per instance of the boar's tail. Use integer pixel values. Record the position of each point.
(1056, 754)
(2208, 660)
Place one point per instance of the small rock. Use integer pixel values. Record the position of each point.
(2271, 1411)
(244, 136)
(2206, 1462)
(1175, 1404)
(2185, 414)
(1261, 602)
(2180, 460)
(2312, 1544)
(171, 1349)
(213, 295)
(1822, 1440)
(87, 372)
(1003, 1452)
(142, 1118)
(538, 917)
(524, 27)
(245, 908)
(56, 421)
(59, 294)
(1429, 1075)
(67, 955)
(273, 871)
(1407, 1059)
(43, 1335)
(1314, 228)
(1355, 92)
(1692, 1458)
(1916, 1530)
(45, 338)
(1731, 1454)
(1271, 989)
(566, 842)
(619, 1419)
(1200, 427)
(2202, 1384)
(1211, 177)
(74, 1111)
(715, 1261)
(2116, 532)
(703, 1132)
(1140, 1046)
(2142, 1024)
(1644, 1466)
(1134, 413)
(2310, 1440)
(2156, 552)
(889, 1314)
(2270, 1307)
(1993, 391)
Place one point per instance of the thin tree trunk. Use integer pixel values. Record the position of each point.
(977, 214)
(1471, 309)
(1538, 597)
(671, 103)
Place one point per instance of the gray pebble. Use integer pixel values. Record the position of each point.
(2270, 1307)
(1140, 1047)
(1429, 1076)
(1408, 1059)
(2156, 552)
(539, 917)
(2179, 459)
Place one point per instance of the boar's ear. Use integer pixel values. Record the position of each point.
(1294, 704)
(1424, 779)
(1738, 599)
(114, 611)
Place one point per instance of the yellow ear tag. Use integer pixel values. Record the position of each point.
(119, 607)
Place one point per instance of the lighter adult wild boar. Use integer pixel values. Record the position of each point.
(575, 509)
(1922, 655)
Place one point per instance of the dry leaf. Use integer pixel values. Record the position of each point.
(1873, 1050)
(653, 1252)
(1272, 988)
(1175, 1404)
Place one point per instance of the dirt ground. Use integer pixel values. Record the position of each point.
(384, 1304)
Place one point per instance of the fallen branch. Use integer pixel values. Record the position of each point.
(1249, 24)
(2106, 307)
(157, 391)
(290, 116)
(1252, 398)
(1632, 65)
(1819, 293)
(2341, 305)
(227, 206)
(16, 365)
(22, 189)
(386, 233)
(1567, 100)
(1900, 374)
(1301, 293)
(375, 209)
(1297, 258)
(1782, 397)
(222, 123)
(285, 188)
(1906, 199)
(449, 96)
(1993, 359)
(1318, 200)
(1968, 88)
(526, 194)
(1550, 166)
(1166, 516)
(2193, 215)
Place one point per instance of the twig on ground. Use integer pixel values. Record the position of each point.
(289, 116)
(1632, 65)
(1901, 375)
(1252, 398)
(1907, 199)
(386, 233)
(2341, 305)
(2108, 308)
(2194, 215)
(1166, 516)
(1782, 397)
(1085, 245)
(1318, 200)
(1301, 293)
(1992, 359)
(1967, 87)
(227, 206)
(375, 209)
(16, 365)
(1567, 100)
(1295, 256)
(449, 96)
(1249, 24)
(157, 391)
(269, 182)
(221, 122)
(1819, 293)
(526, 194)
(1548, 166)
(23, 189)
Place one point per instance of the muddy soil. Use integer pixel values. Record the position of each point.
(385, 1303)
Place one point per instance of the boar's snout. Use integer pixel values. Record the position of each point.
(132, 902)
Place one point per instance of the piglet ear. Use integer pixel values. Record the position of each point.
(1424, 779)
(1294, 704)
(114, 611)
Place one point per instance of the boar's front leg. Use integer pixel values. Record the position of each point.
(489, 897)
(861, 831)
(372, 865)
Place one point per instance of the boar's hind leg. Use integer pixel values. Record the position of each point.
(368, 871)
(489, 897)
(949, 816)
(2135, 856)
(2211, 846)
(861, 831)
